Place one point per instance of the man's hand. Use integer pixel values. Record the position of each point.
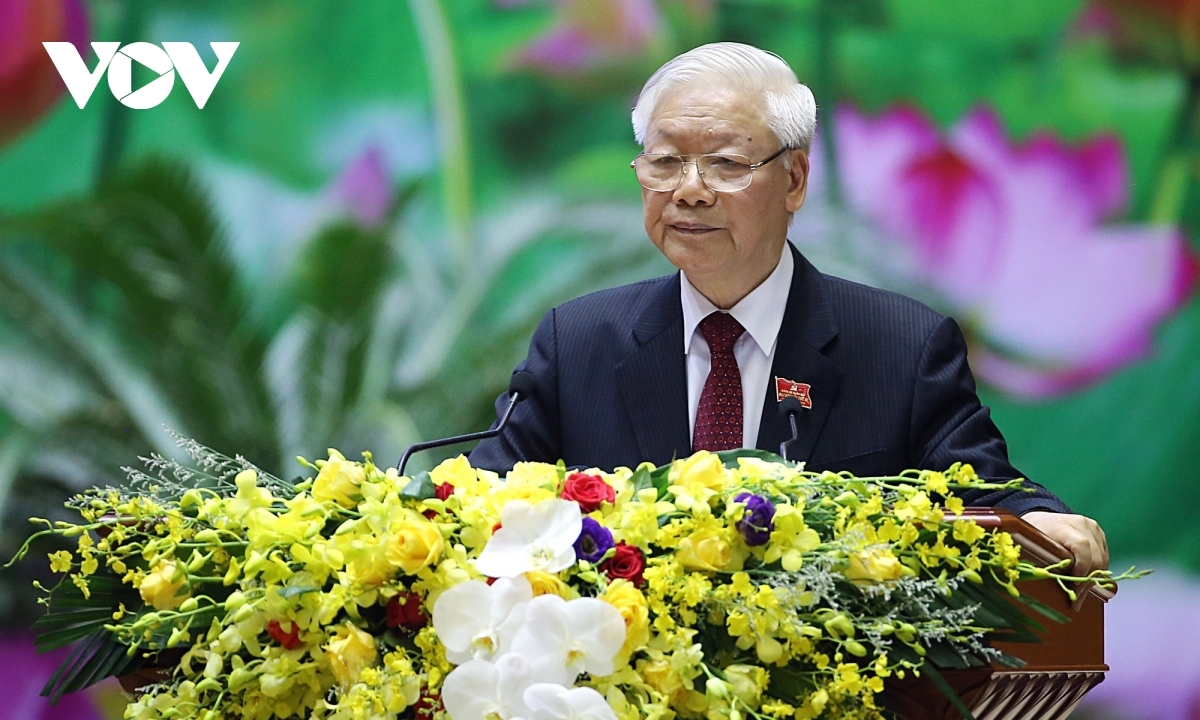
(1081, 535)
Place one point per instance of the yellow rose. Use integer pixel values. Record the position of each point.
(531, 482)
(339, 481)
(703, 469)
(533, 473)
(659, 675)
(873, 565)
(631, 603)
(159, 588)
(708, 549)
(368, 562)
(416, 542)
(545, 583)
(456, 471)
(504, 493)
(349, 651)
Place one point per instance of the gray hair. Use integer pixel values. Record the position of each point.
(791, 109)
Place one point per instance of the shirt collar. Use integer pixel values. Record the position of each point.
(760, 312)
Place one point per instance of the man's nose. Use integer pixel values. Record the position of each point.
(692, 190)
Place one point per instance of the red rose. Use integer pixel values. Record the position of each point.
(626, 563)
(444, 491)
(590, 491)
(405, 610)
(290, 639)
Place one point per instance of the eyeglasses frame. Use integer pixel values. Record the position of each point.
(695, 159)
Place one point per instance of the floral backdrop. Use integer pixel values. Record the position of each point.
(352, 242)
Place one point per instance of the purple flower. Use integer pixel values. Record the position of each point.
(757, 521)
(594, 541)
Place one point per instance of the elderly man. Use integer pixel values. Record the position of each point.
(700, 359)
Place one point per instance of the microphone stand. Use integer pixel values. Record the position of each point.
(789, 408)
(519, 388)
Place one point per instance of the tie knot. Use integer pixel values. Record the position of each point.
(721, 330)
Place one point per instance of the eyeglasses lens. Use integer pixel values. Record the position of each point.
(721, 173)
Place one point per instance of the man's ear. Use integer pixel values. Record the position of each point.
(798, 183)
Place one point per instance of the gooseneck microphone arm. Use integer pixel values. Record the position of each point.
(789, 408)
(519, 388)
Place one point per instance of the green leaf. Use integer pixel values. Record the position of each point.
(1009, 661)
(421, 487)
(57, 638)
(900, 653)
(342, 270)
(996, 600)
(75, 664)
(114, 657)
(985, 616)
(1043, 608)
(641, 479)
(79, 601)
(64, 619)
(729, 457)
(940, 683)
(89, 669)
(101, 587)
(943, 655)
(661, 479)
(788, 684)
(1015, 636)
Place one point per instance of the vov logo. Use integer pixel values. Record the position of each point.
(165, 60)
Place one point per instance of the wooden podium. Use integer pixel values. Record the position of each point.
(1058, 671)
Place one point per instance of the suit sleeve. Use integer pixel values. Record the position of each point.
(950, 425)
(533, 431)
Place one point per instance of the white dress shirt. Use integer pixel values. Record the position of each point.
(761, 313)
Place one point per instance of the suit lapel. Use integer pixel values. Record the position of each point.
(653, 379)
(808, 327)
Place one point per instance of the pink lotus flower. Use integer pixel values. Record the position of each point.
(29, 84)
(363, 188)
(592, 33)
(1017, 243)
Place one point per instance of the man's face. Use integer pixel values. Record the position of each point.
(728, 241)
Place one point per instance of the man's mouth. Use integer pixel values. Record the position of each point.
(687, 228)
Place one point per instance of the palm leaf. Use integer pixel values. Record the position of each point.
(63, 619)
(95, 658)
(1042, 608)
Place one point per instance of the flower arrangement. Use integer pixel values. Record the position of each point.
(724, 586)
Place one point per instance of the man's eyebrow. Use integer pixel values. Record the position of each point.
(715, 134)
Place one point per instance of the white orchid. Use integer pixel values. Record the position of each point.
(481, 690)
(563, 639)
(532, 537)
(477, 621)
(547, 701)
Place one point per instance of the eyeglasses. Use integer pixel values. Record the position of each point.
(720, 172)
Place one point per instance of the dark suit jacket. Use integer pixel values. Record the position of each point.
(891, 388)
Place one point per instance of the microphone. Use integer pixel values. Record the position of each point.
(519, 388)
(789, 408)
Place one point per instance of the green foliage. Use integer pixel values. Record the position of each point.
(122, 310)
(124, 316)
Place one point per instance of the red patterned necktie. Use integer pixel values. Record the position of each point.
(719, 415)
